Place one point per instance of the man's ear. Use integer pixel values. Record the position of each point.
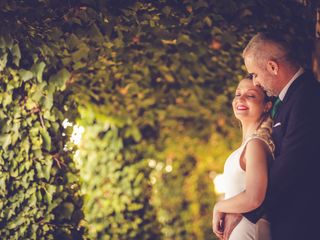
(272, 67)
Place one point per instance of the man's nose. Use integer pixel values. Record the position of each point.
(255, 82)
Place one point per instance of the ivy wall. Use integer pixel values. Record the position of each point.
(150, 82)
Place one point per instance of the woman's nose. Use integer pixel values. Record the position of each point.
(241, 98)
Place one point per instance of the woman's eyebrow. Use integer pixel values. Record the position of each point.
(250, 89)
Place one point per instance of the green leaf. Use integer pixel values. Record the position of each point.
(95, 34)
(47, 168)
(134, 132)
(49, 191)
(148, 102)
(60, 78)
(55, 34)
(79, 65)
(73, 41)
(2, 42)
(48, 103)
(7, 99)
(46, 139)
(16, 54)
(25, 75)
(3, 61)
(135, 206)
(37, 70)
(30, 104)
(16, 222)
(82, 53)
(38, 93)
(183, 38)
(5, 141)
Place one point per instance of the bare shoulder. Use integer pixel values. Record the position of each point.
(256, 147)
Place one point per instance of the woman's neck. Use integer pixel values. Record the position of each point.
(248, 129)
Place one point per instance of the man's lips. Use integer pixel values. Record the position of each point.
(242, 107)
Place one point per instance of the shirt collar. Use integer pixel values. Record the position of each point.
(285, 89)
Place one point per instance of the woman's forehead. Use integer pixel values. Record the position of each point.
(247, 84)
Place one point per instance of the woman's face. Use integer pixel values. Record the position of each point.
(249, 102)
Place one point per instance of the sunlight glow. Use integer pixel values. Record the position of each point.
(153, 180)
(168, 168)
(152, 163)
(66, 123)
(159, 166)
(77, 134)
(219, 184)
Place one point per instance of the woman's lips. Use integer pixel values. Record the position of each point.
(242, 107)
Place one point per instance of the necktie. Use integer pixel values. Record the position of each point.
(275, 107)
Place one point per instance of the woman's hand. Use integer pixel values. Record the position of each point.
(217, 223)
(231, 220)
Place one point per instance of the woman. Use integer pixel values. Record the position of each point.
(246, 169)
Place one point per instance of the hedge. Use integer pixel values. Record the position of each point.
(151, 83)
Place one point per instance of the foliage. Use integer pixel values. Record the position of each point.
(39, 195)
(40, 189)
(153, 80)
(115, 184)
(174, 65)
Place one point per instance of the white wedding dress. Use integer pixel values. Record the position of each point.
(234, 183)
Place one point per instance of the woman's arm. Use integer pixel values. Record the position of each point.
(255, 159)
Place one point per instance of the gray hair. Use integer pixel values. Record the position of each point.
(270, 46)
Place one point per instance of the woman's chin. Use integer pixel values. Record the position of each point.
(241, 115)
(244, 117)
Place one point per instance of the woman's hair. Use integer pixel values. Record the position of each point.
(264, 129)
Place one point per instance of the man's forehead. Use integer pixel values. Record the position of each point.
(249, 59)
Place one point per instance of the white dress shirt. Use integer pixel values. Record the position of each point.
(285, 89)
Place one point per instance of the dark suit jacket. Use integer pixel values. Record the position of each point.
(293, 198)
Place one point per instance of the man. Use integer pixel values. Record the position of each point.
(293, 200)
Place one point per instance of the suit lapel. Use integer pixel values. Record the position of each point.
(295, 85)
(300, 80)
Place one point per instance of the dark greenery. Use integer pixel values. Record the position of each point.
(151, 82)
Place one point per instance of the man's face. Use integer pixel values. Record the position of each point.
(261, 77)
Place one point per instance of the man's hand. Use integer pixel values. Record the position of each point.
(231, 220)
(217, 223)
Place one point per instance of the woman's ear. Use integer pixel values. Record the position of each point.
(268, 106)
(272, 67)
